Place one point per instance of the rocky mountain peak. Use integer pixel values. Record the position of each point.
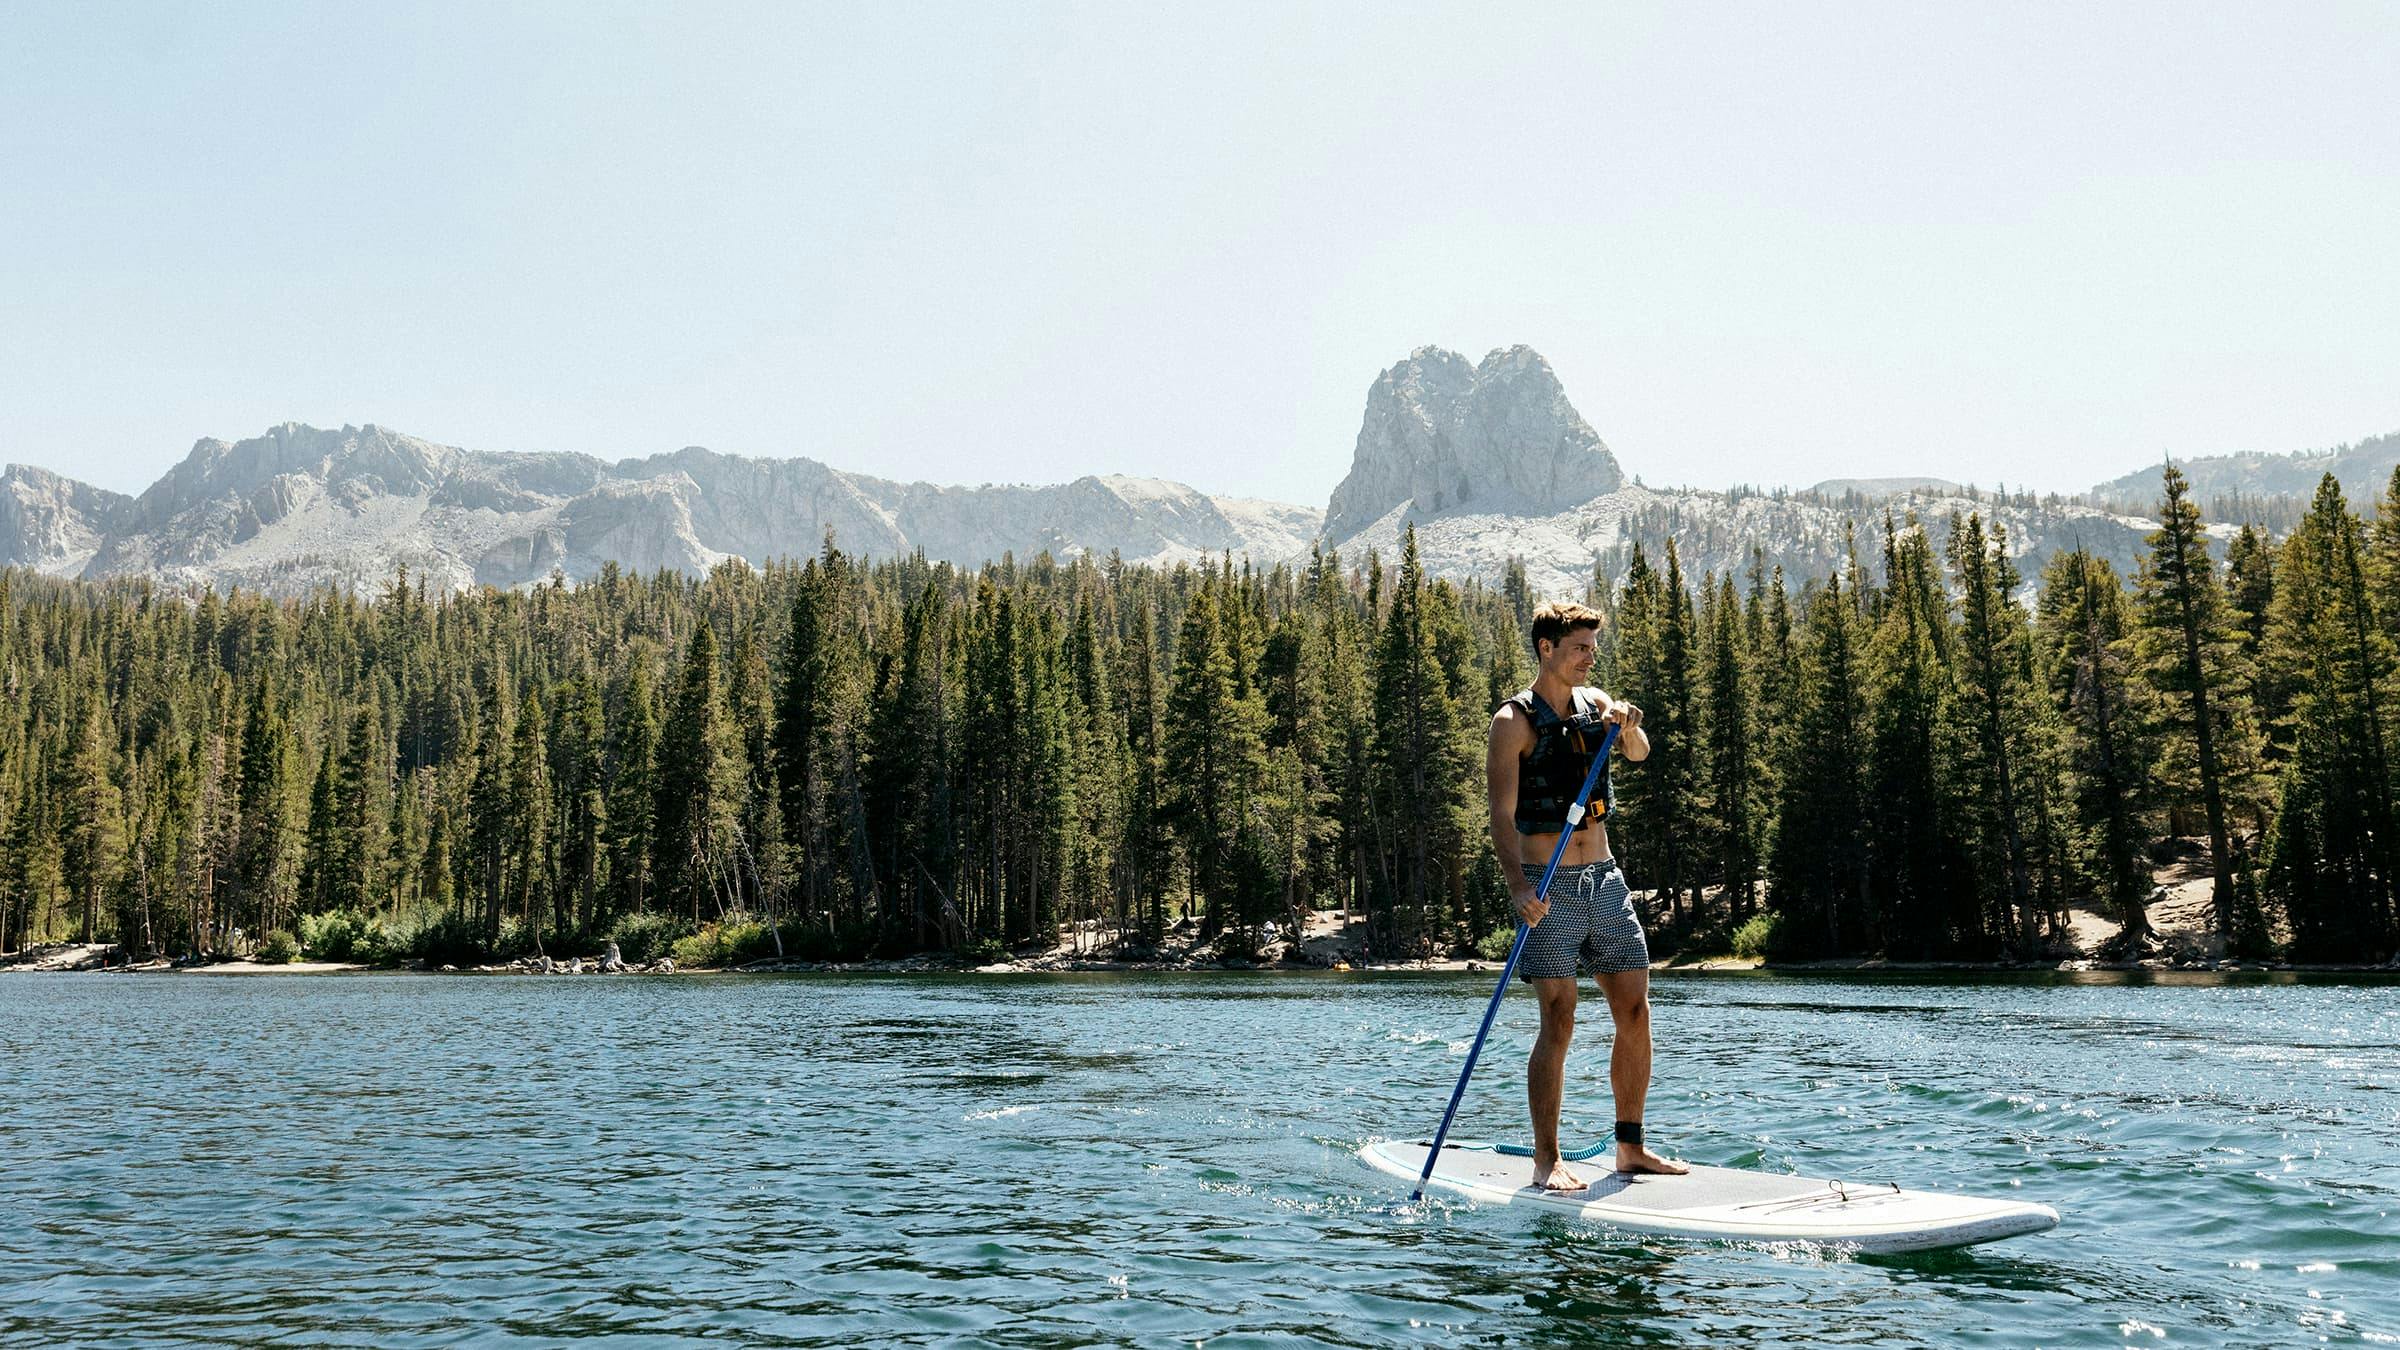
(1442, 437)
(372, 458)
(52, 522)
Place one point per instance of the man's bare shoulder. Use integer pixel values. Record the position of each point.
(1510, 723)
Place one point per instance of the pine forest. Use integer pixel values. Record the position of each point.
(1924, 754)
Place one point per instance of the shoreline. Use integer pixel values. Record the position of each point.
(76, 959)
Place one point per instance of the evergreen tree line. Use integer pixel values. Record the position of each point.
(833, 757)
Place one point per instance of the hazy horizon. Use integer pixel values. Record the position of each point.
(2040, 247)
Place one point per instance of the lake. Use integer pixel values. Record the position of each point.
(1160, 1159)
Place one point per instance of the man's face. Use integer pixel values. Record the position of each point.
(1572, 655)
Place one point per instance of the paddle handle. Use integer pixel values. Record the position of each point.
(1516, 950)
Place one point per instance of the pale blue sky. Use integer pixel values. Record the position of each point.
(2023, 243)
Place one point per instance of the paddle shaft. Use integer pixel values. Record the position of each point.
(1516, 950)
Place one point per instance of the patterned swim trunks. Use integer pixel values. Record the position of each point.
(1591, 922)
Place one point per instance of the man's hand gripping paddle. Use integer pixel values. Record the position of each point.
(1608, 741)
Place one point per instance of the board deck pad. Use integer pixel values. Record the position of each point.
(1726, 1202)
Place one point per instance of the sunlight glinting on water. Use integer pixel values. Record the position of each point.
(1135, 1160)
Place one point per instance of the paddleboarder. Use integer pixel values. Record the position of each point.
(1537, 758)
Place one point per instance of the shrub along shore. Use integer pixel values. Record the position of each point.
(1326, 941)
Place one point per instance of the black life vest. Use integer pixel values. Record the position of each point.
(1553, 770)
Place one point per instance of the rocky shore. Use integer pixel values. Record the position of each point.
(1325, 944)
(2180, 917)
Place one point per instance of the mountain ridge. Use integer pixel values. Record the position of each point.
(1490, 463)
(300, 506)
(2363, 468)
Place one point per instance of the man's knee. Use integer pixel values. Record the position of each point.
(1629, 1008)
(1558, 1014)
(1557, 1023)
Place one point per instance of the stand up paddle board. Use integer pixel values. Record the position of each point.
(1726, 1203)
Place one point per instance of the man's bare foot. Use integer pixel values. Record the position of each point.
(1635, 1158)
(1556, 1177)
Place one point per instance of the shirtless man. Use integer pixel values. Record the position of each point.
(1534, 764)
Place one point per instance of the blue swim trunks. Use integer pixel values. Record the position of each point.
(1591, 922)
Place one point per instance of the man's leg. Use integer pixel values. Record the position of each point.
(1628, 994)
(1545, 1081)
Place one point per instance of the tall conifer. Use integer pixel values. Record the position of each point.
(1818, 867)
(1929, 900)
(2334, 857)
(2086, 623)
(1735, 765)
(632, 795)
(1421, 761)
(2191, 653)
(700, 787)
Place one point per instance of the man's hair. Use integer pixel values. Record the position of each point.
(1553, 621)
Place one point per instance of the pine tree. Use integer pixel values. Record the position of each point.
(363, 818)
(94, 823)
(2386, 568)
(992, 757)
(1640, 679)
(1214, 735)
(1818, 866)
(2334, 858)
(1776, 660)
(632, 828)
(1517, 593)
(2086, 624)
(2250, 585)
(1300, 736)
(214, 832)
(580, 776)
(2191, 653)
(1994, 666)
(1344, 647)
(1144, 873)
(38, 846)
(321, 846)
(908, 800)
(749, 701)
(1929, 900)
(1097, 736)
(700, 788)
(1735, 766)
(265, 867)
(530, 871)
(1422, 761)
(1046, 833)
(489, 840)
(1672, 718)
(160, 802)
(803, 717)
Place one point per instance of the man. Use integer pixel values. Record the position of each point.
(1540, 749)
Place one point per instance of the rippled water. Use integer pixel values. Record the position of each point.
(405, 1160)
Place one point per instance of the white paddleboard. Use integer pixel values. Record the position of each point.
(1725, 1203)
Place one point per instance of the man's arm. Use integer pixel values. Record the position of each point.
(1630, 736)
(1504, 754)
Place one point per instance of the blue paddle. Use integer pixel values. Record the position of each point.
(1575, 813)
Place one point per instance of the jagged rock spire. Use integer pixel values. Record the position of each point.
(1449, 438)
